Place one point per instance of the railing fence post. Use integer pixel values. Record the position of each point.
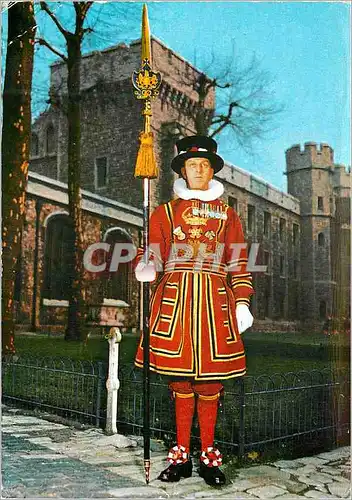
(241, 437)
(114, 338)
(99, 382)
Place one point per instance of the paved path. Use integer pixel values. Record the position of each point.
(46, 459)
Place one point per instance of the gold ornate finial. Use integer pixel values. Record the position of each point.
(145, 81)
(146, 47)
(147, 84)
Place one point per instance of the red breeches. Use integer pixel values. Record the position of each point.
(208, 394)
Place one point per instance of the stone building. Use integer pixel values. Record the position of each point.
(41, 289)
(323, 190)
(302, 234)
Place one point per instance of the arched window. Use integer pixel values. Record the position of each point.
(34, 145)
(58, 257)
(117, 284)
(50, 140)
(322, 309)
(18, 279)
(321, 239)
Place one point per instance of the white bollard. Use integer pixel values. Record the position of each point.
(112, 384)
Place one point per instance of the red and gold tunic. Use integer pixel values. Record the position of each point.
(193, 326)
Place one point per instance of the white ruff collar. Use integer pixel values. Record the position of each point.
(215, 190)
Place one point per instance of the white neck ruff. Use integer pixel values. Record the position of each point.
(216, 189)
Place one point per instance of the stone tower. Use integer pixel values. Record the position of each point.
(313, 178)
(111, 121)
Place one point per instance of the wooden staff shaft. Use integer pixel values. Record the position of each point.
(145, 315)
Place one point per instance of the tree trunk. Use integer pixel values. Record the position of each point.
(15, 152)
(75, 323)
(202, 115)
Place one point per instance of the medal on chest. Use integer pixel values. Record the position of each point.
(208, 210)
(200, 213)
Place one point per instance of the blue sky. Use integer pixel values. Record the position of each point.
(304, 46)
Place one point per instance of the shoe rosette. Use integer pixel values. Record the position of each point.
(177, 455)
(211, 457)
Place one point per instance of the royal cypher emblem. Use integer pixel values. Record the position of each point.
(146, 82)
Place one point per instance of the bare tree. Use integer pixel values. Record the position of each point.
(245, 104)
(15, 152)
(72, 59)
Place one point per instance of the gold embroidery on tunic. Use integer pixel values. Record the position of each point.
(195, 232)
(210, 235)
(179, 233)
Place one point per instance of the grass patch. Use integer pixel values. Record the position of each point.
(267, 353)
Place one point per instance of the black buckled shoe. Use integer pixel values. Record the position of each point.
(180, 465)
(212, 475)
(174, 472)
(210, 460)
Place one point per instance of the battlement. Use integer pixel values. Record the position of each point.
(259, 187)
(341, 179)
(311, 156)
(117, 63)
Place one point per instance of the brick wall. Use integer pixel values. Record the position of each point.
(94, 230)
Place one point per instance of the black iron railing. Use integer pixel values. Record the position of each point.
(283, 414)
(70, 388)
(278, 413)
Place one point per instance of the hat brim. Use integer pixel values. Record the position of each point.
(178, 162)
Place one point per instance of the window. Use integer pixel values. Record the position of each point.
(267, 261)
(117, 284)
(34, 145)
(267, 296)
(321, 239)
(50, 140)
(282, 265)
(320, 203)
(18, 279)
(267, 223)
(232, 202)
(58, 257)
(282, 228)
(295, 268)
(101, 172)
(282, 306)
(251, 217)
(296, 307)
(295, 234)
(322, 309)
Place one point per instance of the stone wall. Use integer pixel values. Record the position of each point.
(97, 219)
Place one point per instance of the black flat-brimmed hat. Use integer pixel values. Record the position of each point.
(196, 146)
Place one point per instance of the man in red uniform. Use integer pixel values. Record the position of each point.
(196, 313)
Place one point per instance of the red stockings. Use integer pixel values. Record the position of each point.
(207, 407)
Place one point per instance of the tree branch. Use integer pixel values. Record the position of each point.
(44, 6)
(87, 30)
(224, 120)
(220, 86)
(41, 41)
(81, 9)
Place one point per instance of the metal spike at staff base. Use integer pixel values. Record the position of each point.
(146, 84)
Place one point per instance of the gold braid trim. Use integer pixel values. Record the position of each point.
(209, 398)
(183, 396)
